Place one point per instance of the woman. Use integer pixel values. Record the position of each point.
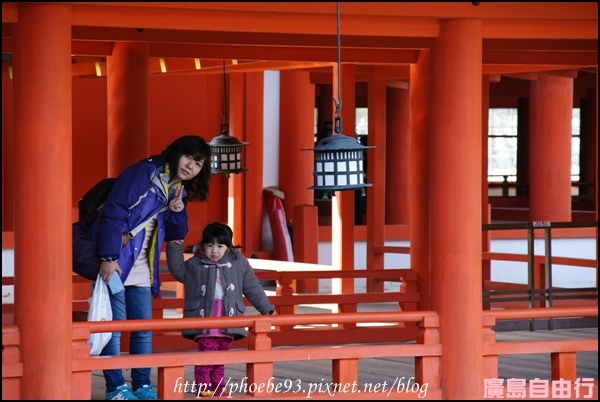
(146, 206)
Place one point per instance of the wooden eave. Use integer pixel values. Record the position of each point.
(518, 38)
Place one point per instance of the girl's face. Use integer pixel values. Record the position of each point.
(215, 251)
(188, 167)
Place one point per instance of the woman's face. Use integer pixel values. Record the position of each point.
(215, 251)
(188, 167)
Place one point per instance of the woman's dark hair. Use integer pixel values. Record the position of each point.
(217, 232)
(197, 188)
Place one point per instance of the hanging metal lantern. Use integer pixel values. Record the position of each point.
(339, 164)
(226, 153)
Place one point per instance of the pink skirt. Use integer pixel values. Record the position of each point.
(217, 311)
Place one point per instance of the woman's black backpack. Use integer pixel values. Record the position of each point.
(89, 205)
(86, 262)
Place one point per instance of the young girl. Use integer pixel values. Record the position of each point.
(215, 280)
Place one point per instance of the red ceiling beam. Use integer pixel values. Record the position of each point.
(202, 36)
(494, 69)
(582, 45)
(541, 29)
(365, 73)
(233, 20)
(540, 58)
(315, 54)
(188, 67)
(558, 10)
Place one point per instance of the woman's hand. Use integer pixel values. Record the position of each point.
(176, 204)
(107, 268)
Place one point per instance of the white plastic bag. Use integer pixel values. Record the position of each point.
(99, 311)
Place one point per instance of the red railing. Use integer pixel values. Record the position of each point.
(261, 354)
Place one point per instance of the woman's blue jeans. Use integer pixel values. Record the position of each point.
(134, 303)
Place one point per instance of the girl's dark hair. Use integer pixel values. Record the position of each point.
(217, 232)
(197, 188)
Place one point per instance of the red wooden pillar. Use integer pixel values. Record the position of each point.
(550, 149)
(296, 166)
(236, 182)
(456, 204)
(486, 238)
(8, 154)
(253, 154)
(485, 112)
(523, 147)
(588, 144)
(419, 174)
(596, 178)
(397, 160)
(342, 206)
(214, 209)
(377, 177)
(43, 187)
(127, 97)
(306, 244)
(296, 127)
(326, 108)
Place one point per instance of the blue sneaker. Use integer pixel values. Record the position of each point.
(145, 392)
(122, 392)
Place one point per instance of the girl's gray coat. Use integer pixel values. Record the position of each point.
(198, 275)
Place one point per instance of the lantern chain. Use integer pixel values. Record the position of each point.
(338, 103)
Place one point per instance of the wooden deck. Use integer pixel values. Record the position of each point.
(310, 375)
